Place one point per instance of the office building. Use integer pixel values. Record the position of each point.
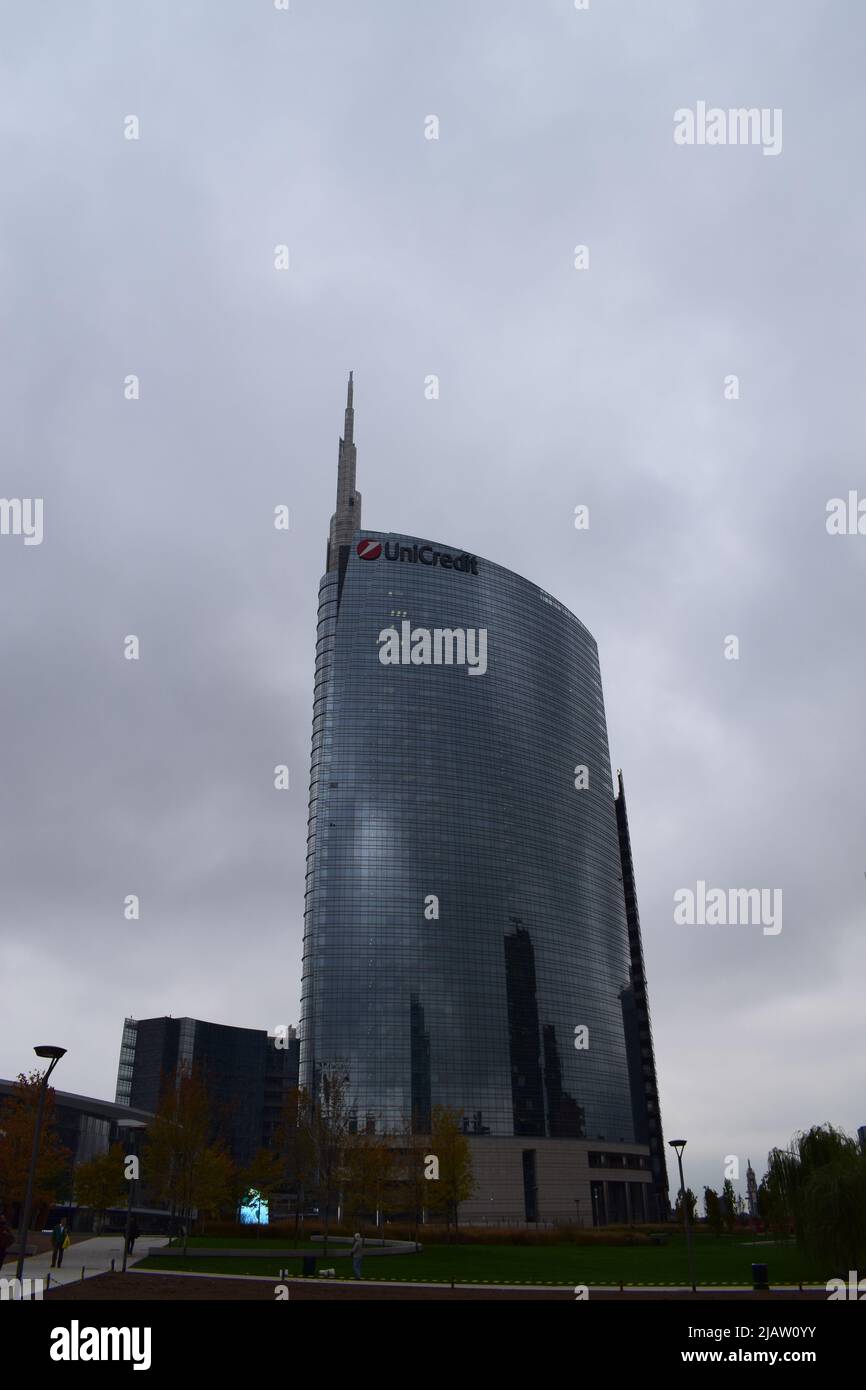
(247, 1076)
(472, 937)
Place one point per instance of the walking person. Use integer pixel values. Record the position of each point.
(134, 1233)
(357, 1254)
(59, 1241)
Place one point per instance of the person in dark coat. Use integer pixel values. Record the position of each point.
(59, 1235)
(134, 1233)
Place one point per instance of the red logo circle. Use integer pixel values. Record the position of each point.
(369, 550)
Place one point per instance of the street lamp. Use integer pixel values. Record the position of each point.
(679, 1145)
(135, 1127)
(55, 1053)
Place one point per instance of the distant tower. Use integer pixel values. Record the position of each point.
(347, 517)
(751, 1189)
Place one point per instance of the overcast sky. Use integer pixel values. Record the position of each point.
(603, 386)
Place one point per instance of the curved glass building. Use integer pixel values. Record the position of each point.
(468, 936)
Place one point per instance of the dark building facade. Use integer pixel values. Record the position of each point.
(638, 1029)
(471, 934)
(248, 1077)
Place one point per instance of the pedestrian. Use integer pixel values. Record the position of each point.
(134, 1233)
(357, 1254)
(59, 1241)
(6, 1237)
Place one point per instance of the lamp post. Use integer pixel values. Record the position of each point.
(679, 1145)
(55, 1053)
(134, 1127)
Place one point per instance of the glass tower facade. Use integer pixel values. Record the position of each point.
(466, 939)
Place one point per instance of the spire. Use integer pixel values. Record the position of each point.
(349, 426)
(347, 517)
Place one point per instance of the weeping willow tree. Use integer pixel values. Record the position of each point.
(834, 1215)
(817, 1188)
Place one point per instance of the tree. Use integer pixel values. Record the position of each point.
(765, 1205)
(831, 1224)
(692, 1206)
(264, 1177)
(101, 1183)
(177, 1144)
(714, 1210)
(451, 1147)
(294, 1144)
(18, 1126)
(327, 1122)
(413, 1151)
(729, 1206)
(214, 1184)
(368, 1166)
(818, 1186)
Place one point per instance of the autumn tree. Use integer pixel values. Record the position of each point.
(178, 1142)
(214, 1185)
(411, 1165)
(368, 1168)
(101, 1183)
(327, 1121)
(263, 1177)
(455, 1183)
(294, 1143)
(17, 1128)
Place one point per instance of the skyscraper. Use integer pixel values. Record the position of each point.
(471, 932)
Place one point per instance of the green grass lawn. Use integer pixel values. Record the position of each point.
(726, 1260)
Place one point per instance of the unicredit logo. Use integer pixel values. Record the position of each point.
(418, 555)
(369, 550)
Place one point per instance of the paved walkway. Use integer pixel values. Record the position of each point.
(93, 1255)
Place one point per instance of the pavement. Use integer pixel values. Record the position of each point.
(92, 1256)
(158, 1286)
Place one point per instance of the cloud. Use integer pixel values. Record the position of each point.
(558, 387)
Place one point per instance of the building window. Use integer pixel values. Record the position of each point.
(530, 1186)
